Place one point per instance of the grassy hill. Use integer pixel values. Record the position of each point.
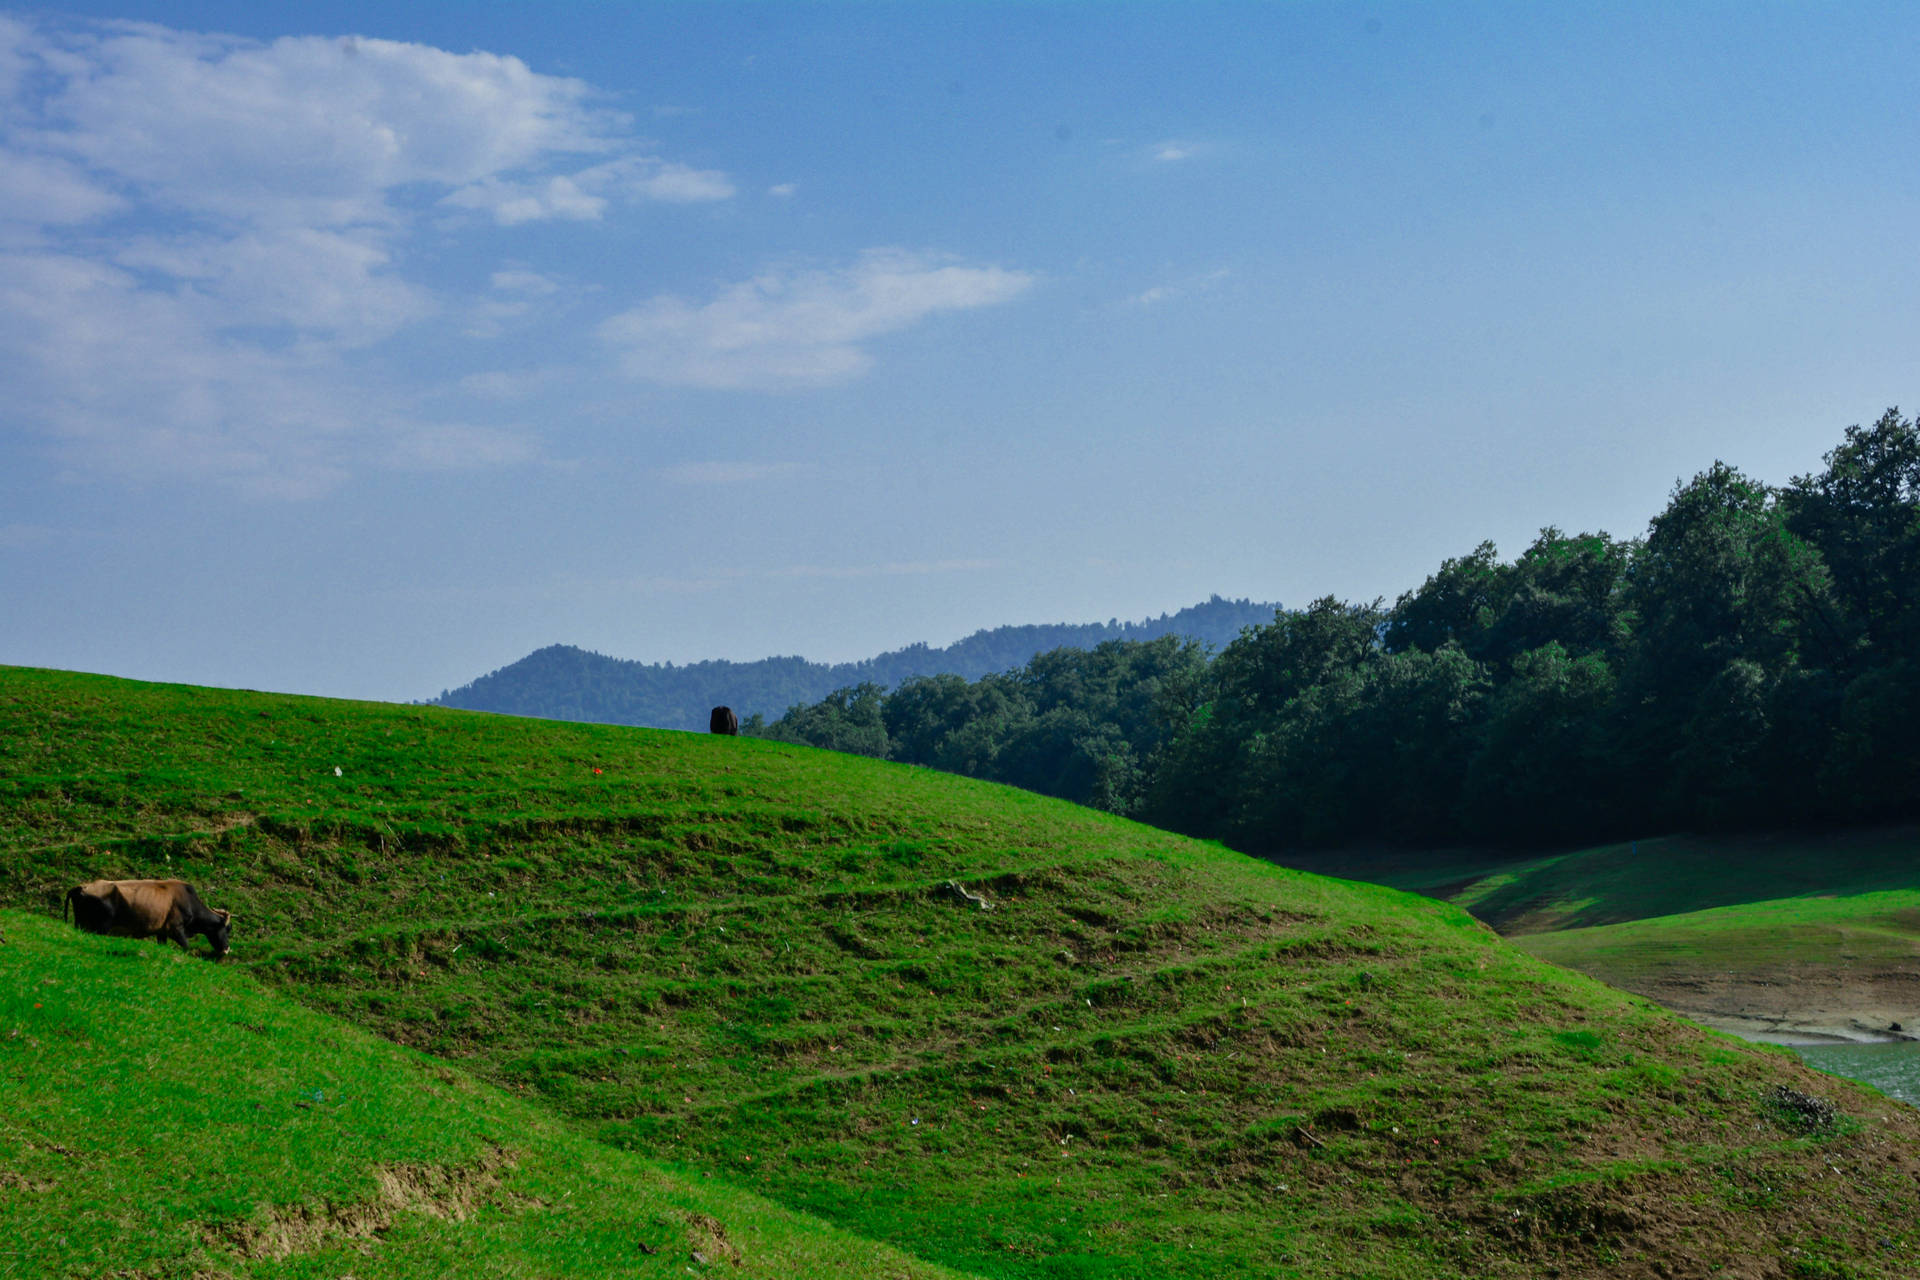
(169, 1118)
(1844, 964)
(1640, 879)
(768, 967)
(1794, 934)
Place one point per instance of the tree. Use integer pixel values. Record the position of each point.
(845, 720)
(1541, 772)
(1564, 590)
(1458, 604)
(1863, 513)
(1721, 577)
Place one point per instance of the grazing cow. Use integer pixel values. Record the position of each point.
(724, 721)
(156, 909)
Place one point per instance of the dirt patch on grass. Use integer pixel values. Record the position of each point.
(454, 1192)
(707, 1241)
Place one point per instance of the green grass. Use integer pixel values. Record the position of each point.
(170, 1118)
(738, 958)
(1638, 880)
(1870, 932)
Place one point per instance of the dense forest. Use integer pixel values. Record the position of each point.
(561, 682)
(1752, 660)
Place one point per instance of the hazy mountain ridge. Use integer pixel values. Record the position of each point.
(563, 682)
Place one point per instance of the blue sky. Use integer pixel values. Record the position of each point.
(360, 349)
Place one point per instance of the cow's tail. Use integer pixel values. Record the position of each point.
(67, 904)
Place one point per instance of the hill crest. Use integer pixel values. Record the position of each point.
(1151, 1057)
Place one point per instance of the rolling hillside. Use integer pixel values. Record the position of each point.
(992, 1031)
(168, 1118)
(1790, 935)
(1640, 879)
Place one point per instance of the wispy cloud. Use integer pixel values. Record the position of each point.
(1190, 286)
(1176, 151)
(586, 194)
(200, 235)
(788, 329)
(520, 280)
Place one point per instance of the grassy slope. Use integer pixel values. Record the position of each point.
(1151, 1057)
(1720, 926)
(170, 1118)
(1870, 933)
(1668, 875)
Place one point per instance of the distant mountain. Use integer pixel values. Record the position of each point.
(561, 682)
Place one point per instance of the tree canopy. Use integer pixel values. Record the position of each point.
(1752, 660)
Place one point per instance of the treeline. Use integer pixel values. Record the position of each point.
(1752, 661)
(562, 682)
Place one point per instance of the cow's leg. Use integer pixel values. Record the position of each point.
(178, 933)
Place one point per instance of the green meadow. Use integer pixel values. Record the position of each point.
(1827, 913)
(526, 998)
(169, 1118)
(1868, 932)
(1640, 879)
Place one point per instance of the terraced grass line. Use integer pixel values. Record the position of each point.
(1793, 936)
(1151, 1057)
(167, 1118)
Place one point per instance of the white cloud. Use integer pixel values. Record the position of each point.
(798, 328)
(305, 129)
(319, 284)
(586, 195)
(1174, 151)
(512, 203)
(1160, 293)
(48, 191)
(676, 183)
(204, 240)
(136, 382)
(13, 62)
(520, 280)
(783, 190)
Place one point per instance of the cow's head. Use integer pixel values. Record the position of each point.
(218, 934)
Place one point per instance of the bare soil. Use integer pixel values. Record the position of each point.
(1795, 1005)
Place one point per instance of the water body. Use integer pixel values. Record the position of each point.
(1893, 1069)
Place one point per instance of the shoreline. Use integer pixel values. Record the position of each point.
(1807, 1005)
(1790, 1031)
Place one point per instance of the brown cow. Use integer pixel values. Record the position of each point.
(723, 721)
(156, 909)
